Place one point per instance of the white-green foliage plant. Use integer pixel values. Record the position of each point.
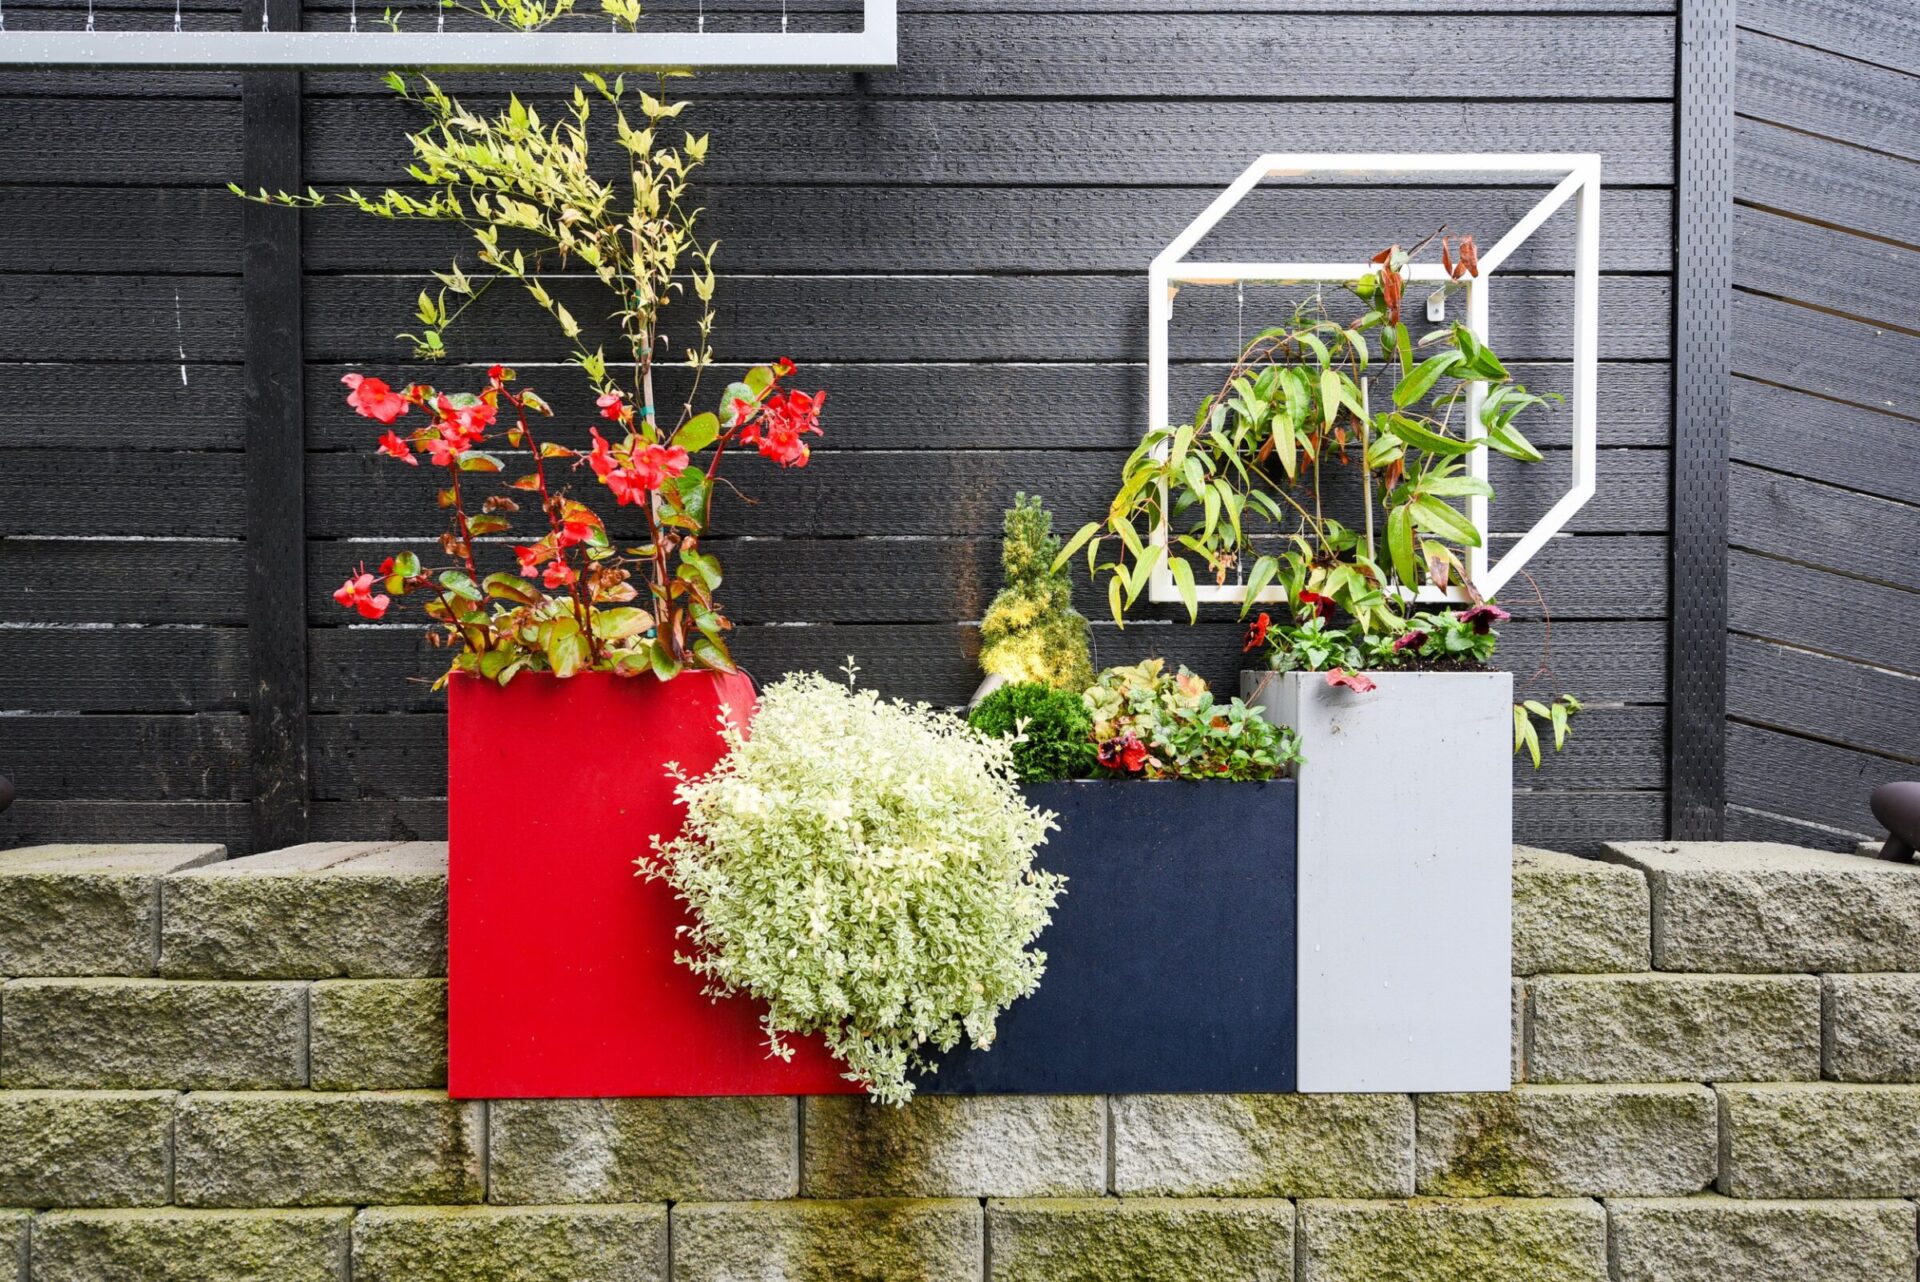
(864, 868)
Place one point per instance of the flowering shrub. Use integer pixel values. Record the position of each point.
(566, 605)
(1031, 631)
(538, 205)
(865, 869)
(1051, 731)
(1147, 724)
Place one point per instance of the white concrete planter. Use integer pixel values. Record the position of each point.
(1405, 850)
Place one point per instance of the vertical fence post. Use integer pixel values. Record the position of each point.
(1703, 258)
(276, 451)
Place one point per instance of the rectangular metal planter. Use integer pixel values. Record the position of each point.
(1405, 878)
(1170, 960)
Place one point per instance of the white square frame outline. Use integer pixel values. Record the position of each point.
(874, 47)
(1579, 182)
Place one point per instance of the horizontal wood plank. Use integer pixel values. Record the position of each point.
(1870, 709)
(1016, 406)
(1886, 32)
(1823, 93)
(1801, 520)
(858, 230)
(952, 318)
(188, 319)
(1792, 432)
(131, 492)
(42, 823)
(1832, 356)
(181, 406)
(854, 494)
(106, 580)
(120, 142)
(1745, 823)
(1804, 779)
(973, 142)
(1825, 268)
(1802, 606)
(1826, 181)
(390, 668)
(122, 669)
(195, 757)
(169, 230)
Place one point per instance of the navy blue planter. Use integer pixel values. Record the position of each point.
(1170, 961)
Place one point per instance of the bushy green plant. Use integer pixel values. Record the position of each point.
(1149, 724)
(1051, 730)
(865, 869)
(1031, 631)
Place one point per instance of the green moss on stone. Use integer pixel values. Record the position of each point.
(1142, 1240)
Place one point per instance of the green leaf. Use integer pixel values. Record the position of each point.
(567, 652)
(1422, 378)
(1263, 571)
(511, 587)
(1400, 547)
(1115, 590)
(406, 564)
(1143, 568)
(1183, 580)
(1329, 395)
(1435, 517)
(1422, 437)
(479, 461)
(1404, 345)
(1454, 487)
(1507, 439)
(620, 622)
(1074, 544)
(461, 584)
(697, 433)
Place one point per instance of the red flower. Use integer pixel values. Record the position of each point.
(655, 465)
(468, 422)
(613, 406)
(386, 567)
(626, 485)
(1483, 616)
(783, 367)
(530, 559)
(357, 594)
(1411, 641)
(373, 398)
(1320, 605)
(1123, 753)
(601, 458)
(496, 374)
(393, 447)
(783, 421)
(558, 574)
(445, 447)
(1256, 633)
(1358, 682)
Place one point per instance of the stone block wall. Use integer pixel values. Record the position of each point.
(224, 1070)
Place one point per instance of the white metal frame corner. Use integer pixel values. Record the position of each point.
(874, 47)
(1580, 182)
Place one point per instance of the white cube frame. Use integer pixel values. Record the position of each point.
(1579, 181)
(874, 47)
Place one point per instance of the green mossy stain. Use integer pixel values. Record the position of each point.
(1487, 1158)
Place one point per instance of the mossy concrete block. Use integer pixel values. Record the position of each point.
(1578, 915)
(156, 1033)
(955, 1146)
(1512, 1240)
(1673, 1028)
(378, 1034)
(1263, 1145)
(1757, 906)
(309, 1148)
(1820, 1140)
(876, 1240)
(1872, 1028)
(1712, 1239)
(1568, 1141)
(321, 911)
(510, 1244)
(87, 910)
(176, 1245)
(1141, 1240)
(1519, 1031)
(13, 1244)
(642, 1150)
(85, 1148)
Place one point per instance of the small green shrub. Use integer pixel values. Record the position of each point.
(1148, 724)
(1031, 631)
(865, 869)
(1052, 730)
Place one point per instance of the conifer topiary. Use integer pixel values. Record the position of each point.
(1031, 632)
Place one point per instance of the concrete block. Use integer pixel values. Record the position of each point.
(378, 1034)
(1673, 1028)
(642, 1150)
(171, 1244)
(1263, 1145)
(1141, 1240)
(87, 910)
(1575, 916)
(1819, 1140)
(85, 1148)
(1568, 1141)
(1872, 1028)
(1709, 1239)
(955, 1146)
(1432, 1240)
(153, 1033)
(510, 1244)
(898, 1241)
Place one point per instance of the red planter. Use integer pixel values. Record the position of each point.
(560, 958)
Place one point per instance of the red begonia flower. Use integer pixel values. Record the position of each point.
(601, 458)
(357, 594)
(612, 406)
(558, 574)
(655, 465)
(373, 399)
(530, 558)
(1358, 682)
(393, 447)
(783, 421)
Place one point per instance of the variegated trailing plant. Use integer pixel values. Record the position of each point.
(537, 202)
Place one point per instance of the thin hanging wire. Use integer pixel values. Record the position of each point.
(3, 17)
(353, 17)
(440, 19)
(176, 16)
(265, 25)
(783, 17)
(702, 18)
(89, 15)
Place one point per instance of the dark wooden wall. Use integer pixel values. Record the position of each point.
(1823, 660)
(956, 250)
